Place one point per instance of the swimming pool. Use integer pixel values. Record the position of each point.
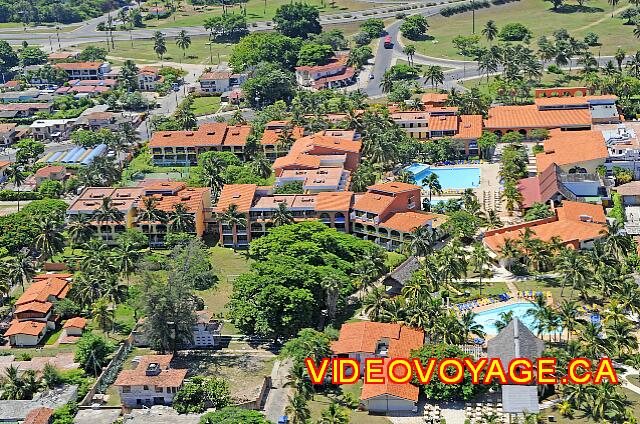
(450, 178)
(487, 319)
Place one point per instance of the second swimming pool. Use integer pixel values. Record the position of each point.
(449, 178)
(487, 319)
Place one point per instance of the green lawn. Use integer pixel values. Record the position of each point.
(257, 10)
(488, 289)
(205, 105)
(142, 50)
(323, 400)
(52, 337)
(633, 397)
(540, 18)
(228, 266)
(547, 285)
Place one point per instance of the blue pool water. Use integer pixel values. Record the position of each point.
(450, 178)
(487, 319)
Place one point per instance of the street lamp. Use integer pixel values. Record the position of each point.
(210, 53)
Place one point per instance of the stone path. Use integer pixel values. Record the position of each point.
(278, 394)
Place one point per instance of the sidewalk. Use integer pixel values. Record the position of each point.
(278, 397)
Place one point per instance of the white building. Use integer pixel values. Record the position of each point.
(220, 81)
(52, 129)
(206, 332)
(152, 382)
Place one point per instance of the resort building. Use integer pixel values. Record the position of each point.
(85, 70)
(197, 203)
(206, 332)
(274, 135)
(362, 340)
(124, 200)
(258, 203)
(334, 74)
(129, 201)
(388, 213)
(106, 120)
(181, 148)
(580, 152)
(623, 143)
(33, 313)
(220, 81)
(316, 180)
(149, 78)
(73, 328)
(152, 382)
(575, 224)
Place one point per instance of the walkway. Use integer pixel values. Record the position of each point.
(278, 397)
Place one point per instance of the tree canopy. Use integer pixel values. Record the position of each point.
(297, 20)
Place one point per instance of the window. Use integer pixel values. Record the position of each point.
(158, 389)
(126, 389)
(145, 387)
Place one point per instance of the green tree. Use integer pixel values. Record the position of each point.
(282, 215)
(31, 55)
(183, 41)
(314, 54)
(373, 27)
(17, 177)
(8, 57)
(181, 220)
(259, 47)
(334, 414)
(432, 183)
(297, 409)
(433, 74)
(233, 415)
(538, 211)
(159, 44)
(128, 77)
(92, 352)
(414, 27)
(269, 84)
(297, 20)
(490, 30)
(50, 239)
(93, 54)
(200, 393)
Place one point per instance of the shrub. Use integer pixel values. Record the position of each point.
(514, 32)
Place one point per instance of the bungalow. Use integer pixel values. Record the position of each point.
(85, 70)
(151, 382)
(362, 340)
(26, 333)
(50, 173)
(62, 56)
(149, 78)
(206, 332)
(334, 74)
(72, 329)
(220, 81)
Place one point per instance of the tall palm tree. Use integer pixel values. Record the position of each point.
(421, 241)
(432, 183)
(21, 269)
(282, 215)
(479, 258)
(613, 4)
(573, 269)
(504, 319)
(409, 50)
(79, 229)
(233, 217)
(569, 317)
(374, 303)
(469, 325)
(49, 240)
(103, 315)
(107, 212)
(433, 74)
(331, 286)
(17, 177)
(298, 410)
(261, 166)
(180, 219)
(126, 257)
(299, 380)
(183, 41)
(150, 211)
(213, 171)
(159, 44)
(510, 251)
(620, 55)
(490, 30)
(386, 85)
(616, 242)
(285, 139)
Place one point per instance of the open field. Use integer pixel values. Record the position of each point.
(142, 50)
(540, 18)
(205, 105)
(256, 10)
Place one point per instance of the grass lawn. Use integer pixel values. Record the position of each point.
(555, 287)
(244, 373)
(142, 50)
(540, 18)
(228, 266)
(488, 289)
(205, 105)
(257, 10)
(323, 400)
(53, 337)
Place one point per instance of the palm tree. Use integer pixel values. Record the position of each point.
(213, 172)
(331, 286)
(433, 184)
(126, 258)
(232, 216)
(285, 139)
(490, 30)
(17, 385)
(180, 219)
(487, 64)
(433, 74)
(374, 303)
(282, 215)
(421, 241)
(50, 239)
(565, 409)
(469, 325)
(510, 251)
(409, 50)
(616, 242)
(568, 313)
(479, 258)
(261, 166)
(299, 380)
(17, 177)
(386, 85)
(613, 4)
(159, 44)
(107, 212)
(103, 315)
(504, 320)
(620, 56)
(21, 269)
(183, 41)
(79, 229)
(297, 409)
(334, 414)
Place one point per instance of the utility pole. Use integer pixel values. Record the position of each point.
(473, 17)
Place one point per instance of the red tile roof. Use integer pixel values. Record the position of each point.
(404, 391)
(335, 64)
(45, 172)
(211, 134)
(40, 307)
(372, 202)
(75, 322)
(167, 377)
(469, 127)
(69, 66)
(407, 221)
(364, 337)
(393, 187)
(515, 117)
(192, 198)
(40, 290)
(572, 147)
(270, 136)
(540, 188)
(240, 195)
(443, 123)
(431, 98)
(218, 75)
(569, 100)
(30, 328)
(338, 201)
(578, 211)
